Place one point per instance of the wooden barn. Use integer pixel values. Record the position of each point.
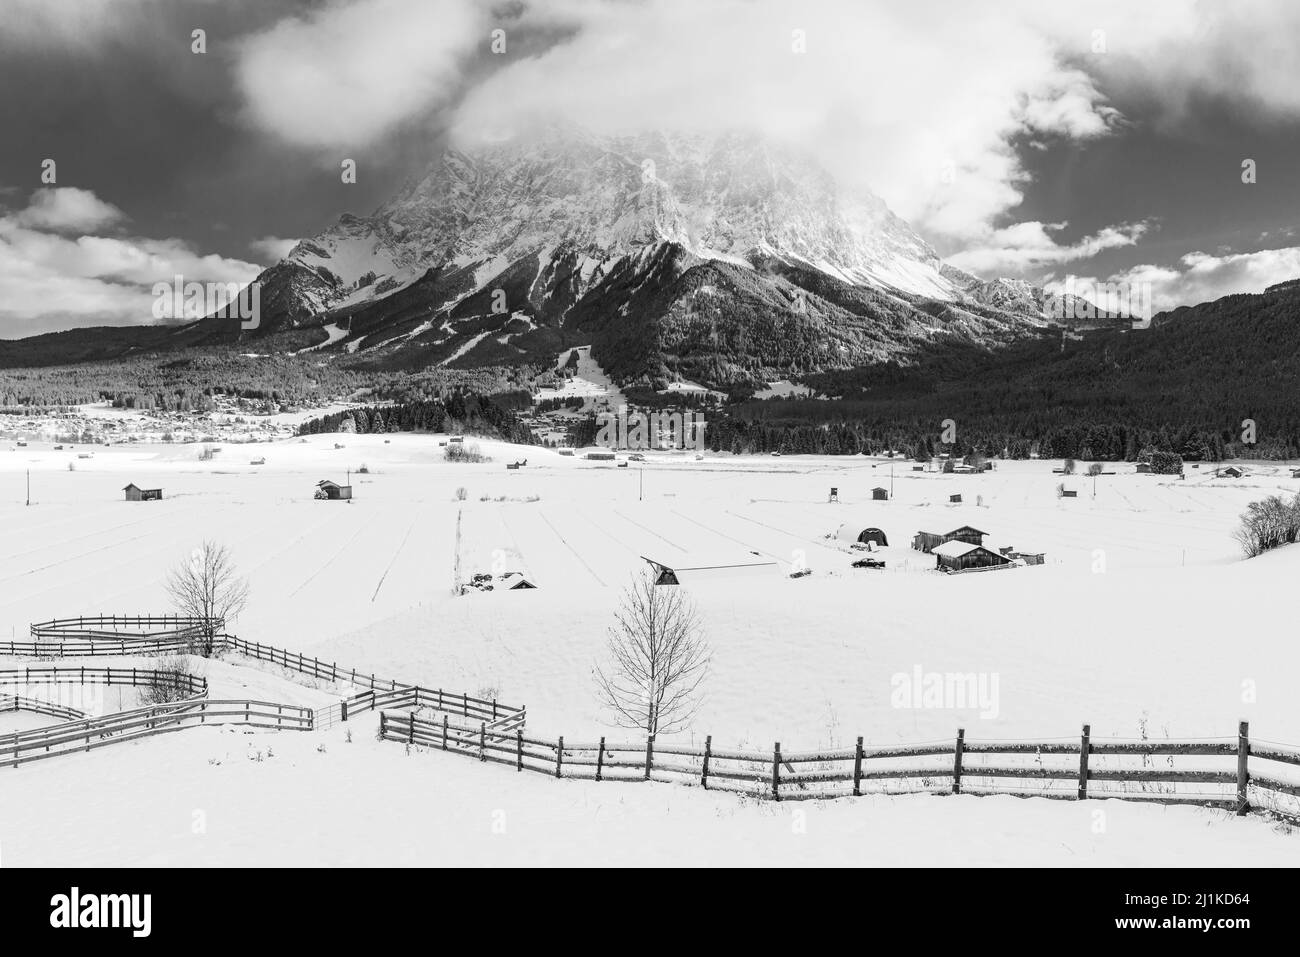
(692, 570)
(955, 499)
(1232, 472)
(135, 493)
(928, 541)
(325, 489)
(955, 556)
(849, 532)
(880, 494)
(1144, 468)
(1069, 493)
(599, 456)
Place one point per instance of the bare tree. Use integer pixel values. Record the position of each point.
(658, 659)
(208, 587)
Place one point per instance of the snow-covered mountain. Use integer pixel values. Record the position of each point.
(648, 246)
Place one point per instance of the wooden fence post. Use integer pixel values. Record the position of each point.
(649, 755)
(383, 725)
(704, 774)
(559, 756)
(776, 772)
(344, 705)
(519, 749)
(1243, 770)
(464, 699)
(857, 768)
(956, 760)
(1084, 747)
(410, 734)
(482, 740)
(600, 758)
(444, 732)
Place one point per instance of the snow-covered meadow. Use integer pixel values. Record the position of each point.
(1143, 621)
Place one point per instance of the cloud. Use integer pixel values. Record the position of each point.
(1028, 246)
(272, 248)
(919, 103)
(49, 280)
(348, 74)
(68, 209)
(1202, 277)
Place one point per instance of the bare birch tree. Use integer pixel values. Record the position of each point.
(658, 659)
(207, 586)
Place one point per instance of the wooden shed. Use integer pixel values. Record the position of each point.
(880, 494)
(955, 498)
(135, 493)
(928, 541)
(957, 556)
(325, 489)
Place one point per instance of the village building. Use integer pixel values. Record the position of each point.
(135, 493)
(880, 494)
(928, 541)
(325, 489)
(957, 556)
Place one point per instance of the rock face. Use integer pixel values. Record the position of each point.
(721, 257)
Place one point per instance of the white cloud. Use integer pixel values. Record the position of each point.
(889, 97)
(68, 209)
(1202, 277)
(50, 280)
(272, 248)
(348, 74)
(1028, 246)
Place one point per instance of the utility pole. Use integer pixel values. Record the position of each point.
(891, 481)
(29, 486)
(640, 495)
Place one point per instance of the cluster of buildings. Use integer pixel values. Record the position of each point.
(963, 550)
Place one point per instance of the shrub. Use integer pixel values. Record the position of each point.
(173, 681)
(1269, 524)
(464, 452)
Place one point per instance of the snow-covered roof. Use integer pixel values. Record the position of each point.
(955, 549)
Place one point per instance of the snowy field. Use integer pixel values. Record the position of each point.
(1203, 641)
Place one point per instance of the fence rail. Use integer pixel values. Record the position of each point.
(489, 731)
(958, 767)
(88, 734)
(130, 627)
(16, 702)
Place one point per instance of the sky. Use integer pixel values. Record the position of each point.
(1102, 140)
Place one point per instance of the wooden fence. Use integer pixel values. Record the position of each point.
(77, 644)
(17, 702)
(1075, 770)
(126, 626)
(380, 693)
(190, 685)
(90, 733)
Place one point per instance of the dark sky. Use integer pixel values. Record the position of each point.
(1125, 164)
